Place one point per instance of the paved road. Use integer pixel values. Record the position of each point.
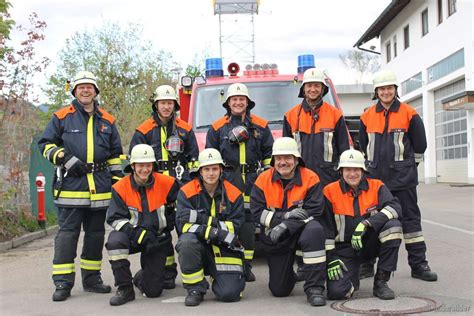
(26, 287)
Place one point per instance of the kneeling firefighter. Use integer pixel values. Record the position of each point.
(245, 142)
(175, 147)
(137, 213)
(368, 226)
(209, 215)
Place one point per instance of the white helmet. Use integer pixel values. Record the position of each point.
(210, 156)
(84, 77)
(165, 92)
(238, 89)
(352, 158)
(314, 75)
(285, 146)
(385, 78)
(141, 153)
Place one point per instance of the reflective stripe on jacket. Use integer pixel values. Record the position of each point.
(92, 139)
(322, 140)
(255, 151)
(393, 140)
(149, 206)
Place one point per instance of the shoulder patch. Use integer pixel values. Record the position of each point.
(232, 191)
(62, 113)
(220, 122)
(146, 126)
(191, 188)
(106, 116)
(183, 124)
(257, 120)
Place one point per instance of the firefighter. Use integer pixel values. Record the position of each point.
(393, 138)
(318, 127)
(175, 147)
(210, 214)
(366, 224)
(287, 200)
(83, 142)
(137, 213)
(245, 142)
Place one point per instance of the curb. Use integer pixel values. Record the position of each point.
(17, 242)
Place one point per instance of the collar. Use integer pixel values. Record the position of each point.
(296, 179)
(149, 184)
(393, 108)
(218, 191)
(307, 107)
(158, 121)
(80, 108)
(363, 185)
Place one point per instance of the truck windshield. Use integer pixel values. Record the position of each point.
(272, 100)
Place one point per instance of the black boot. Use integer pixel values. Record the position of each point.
(315, 297)
(169, 284)
(98, 287)
(423, 272)
(366, 270)
(61, 293)
(249, 276)
(194, 298)
(381, 289)
(124, 294)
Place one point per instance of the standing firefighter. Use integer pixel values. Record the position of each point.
(210, 214)
(138, 215)
(82, 141)
(287, 201)
(318, 127)
(366, 224)
(245, 142)
(393, 138)
(175, 148)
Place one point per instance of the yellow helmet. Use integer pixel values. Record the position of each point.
(238, 89)
(84, 77)
(210, 156)
(314, 75)
(352, 158)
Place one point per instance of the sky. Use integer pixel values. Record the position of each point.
(189, 29)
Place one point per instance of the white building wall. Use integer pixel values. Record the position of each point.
(455, 32)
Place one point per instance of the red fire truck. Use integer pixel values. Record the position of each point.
(201, 97)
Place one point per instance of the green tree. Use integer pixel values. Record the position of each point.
(6, 24)
(128, 70)
(361, 62)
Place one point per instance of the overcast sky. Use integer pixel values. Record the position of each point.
(283, 29)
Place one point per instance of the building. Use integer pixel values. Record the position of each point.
(429, 45)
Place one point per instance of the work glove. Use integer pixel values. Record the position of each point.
(359, 232)
(74, 166)
(279, 232)
(140, 237)
(225, 237)
(158, 243)
(335, 269)
(297, 213)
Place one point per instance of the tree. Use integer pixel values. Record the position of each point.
(128, 70)
(361, 62)
(6, 25)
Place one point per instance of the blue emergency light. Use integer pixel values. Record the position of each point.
(214, 67)
(305, 62)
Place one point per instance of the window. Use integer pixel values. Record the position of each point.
(424, 22)
(440, 11)
(394, 46)
(451, 7)
(388, 49)
(406, 36)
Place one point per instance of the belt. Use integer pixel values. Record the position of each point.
(247, 168)
(97, 167)
(166, 165)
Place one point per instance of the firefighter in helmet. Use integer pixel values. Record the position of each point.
(245, 143)
(137, 213)
(83, 142)
(371, 228)
(287, 200)
(392, 136)
(209, 216)
(175, 147)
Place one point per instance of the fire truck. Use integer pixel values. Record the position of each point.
(201, 98)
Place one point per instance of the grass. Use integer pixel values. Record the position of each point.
(19, 222)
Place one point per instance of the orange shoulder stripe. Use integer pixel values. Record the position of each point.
(183, 124)
(232, 191)
(191, 188)
(62, 113)
(146, 126)
(257, 120)
(106, 116)
(220, 122)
